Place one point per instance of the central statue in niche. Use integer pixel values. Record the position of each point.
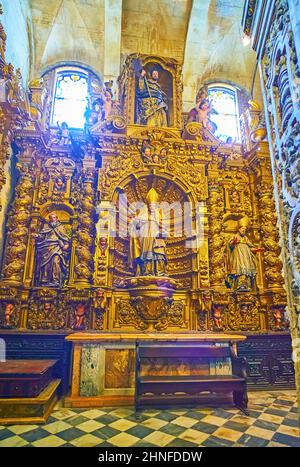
(52, 248)
(151, 100)
(147, 245)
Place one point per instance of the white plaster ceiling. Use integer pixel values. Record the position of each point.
(204, 35)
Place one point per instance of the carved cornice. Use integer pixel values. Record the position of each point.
(247, 21)
(256, 23)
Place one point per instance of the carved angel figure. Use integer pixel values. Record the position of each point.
(203, 110)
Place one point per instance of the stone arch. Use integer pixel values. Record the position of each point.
(70, 63)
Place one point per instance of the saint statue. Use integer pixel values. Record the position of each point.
(241, 260)
(147, 247)
(63, 134)
(151, 100)
(52, 246)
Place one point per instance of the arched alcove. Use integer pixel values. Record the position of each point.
(176, 206)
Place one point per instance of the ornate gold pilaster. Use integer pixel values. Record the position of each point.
(16, 248)
(272, 264)
(85, 236)
(216, 239)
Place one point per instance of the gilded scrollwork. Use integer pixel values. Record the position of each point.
(127, 315)
(238, 195)
(150, 313)
(46, 311)
(242, 314)
(125, 164)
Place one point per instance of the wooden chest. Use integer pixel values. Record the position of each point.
(25, 378)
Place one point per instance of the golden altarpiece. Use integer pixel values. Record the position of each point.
(81, 176)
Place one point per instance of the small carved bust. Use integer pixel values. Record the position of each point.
(79, 316)
(103, 244)
(147, 154)
(100, 300)
(278, 319)
(9, 310)
(217, 317)
(59, 184)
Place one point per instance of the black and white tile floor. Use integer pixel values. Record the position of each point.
(273, 421)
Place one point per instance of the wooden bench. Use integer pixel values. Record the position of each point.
(171, 389)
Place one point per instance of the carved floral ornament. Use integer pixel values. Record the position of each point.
(280, 64)
(177, 167)
(294, 244)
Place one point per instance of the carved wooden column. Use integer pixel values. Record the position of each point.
(216, 239)
(17, 235)
(85, 232)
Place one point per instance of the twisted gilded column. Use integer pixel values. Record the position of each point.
(18, 227)
(216, 239)
(85, 233)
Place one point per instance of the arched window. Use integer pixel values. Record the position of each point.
(224, 102)
(71, 90)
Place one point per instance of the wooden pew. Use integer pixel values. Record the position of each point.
(169, 389)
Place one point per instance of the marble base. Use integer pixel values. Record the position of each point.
(103, 370)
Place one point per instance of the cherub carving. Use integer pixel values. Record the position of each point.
(217, 317)
(80, 313)
(203, 110)
(9, 310)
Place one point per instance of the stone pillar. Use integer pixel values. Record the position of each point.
(294, 6)
(278, 57)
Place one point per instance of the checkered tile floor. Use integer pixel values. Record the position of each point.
(273, 422)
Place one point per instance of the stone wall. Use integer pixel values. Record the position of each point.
(17, 24)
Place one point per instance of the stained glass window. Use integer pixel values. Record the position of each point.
(71, 92)
(224, 102)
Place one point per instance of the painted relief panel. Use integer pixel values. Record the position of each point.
(119, 368)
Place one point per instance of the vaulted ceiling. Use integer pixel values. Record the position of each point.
(203, 35)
